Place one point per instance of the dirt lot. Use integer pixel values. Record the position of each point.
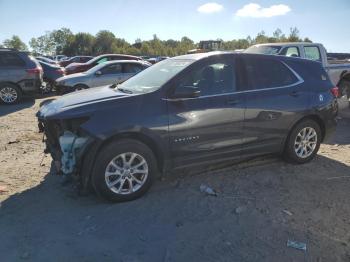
(261, 204)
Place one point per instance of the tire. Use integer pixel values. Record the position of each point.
(112, 181)
(10, 94)
(79, 87)
(296, 145)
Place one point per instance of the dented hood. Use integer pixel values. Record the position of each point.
(82, 101)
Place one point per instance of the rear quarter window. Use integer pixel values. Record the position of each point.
(265, 73)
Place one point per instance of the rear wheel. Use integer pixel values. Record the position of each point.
(10, 94)
(124, 170)
(303, 142)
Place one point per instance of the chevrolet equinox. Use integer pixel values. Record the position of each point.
(189, 110)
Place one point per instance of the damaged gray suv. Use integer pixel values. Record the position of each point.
(189, 110)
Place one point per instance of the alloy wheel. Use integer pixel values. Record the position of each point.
(126, 173)
(305, 142)
(8, 95)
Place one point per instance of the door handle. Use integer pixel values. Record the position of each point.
(294, 94)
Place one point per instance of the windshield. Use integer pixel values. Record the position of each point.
(263, 49)
(94, 69)
(155, 76)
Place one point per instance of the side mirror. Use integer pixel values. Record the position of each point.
(186, 92)
(98, 73)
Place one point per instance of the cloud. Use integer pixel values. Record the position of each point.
(209, 8)
(256, 11)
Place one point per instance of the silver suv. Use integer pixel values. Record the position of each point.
(20, 75)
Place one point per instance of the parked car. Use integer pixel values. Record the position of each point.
(20, 74)
(60, 58)
(75, 59)
(46, 60)
(81, 67)
(51, 73)
(338, 70)
(108, 73)
(190, 110)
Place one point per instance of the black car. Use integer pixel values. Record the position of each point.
(51, 73)
(20, 74)
(190, 110)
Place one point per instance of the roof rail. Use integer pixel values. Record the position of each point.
(7, 49)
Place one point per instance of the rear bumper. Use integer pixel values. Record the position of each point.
(30, 86)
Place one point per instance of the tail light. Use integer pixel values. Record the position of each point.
(335, 91)
(34, 71)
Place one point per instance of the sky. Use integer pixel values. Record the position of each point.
(322, 21)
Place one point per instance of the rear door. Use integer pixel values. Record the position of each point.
(275, 97)
(209, 127)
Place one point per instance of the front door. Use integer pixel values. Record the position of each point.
(209, 127)
(110, 74)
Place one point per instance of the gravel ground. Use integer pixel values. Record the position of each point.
(261, 204)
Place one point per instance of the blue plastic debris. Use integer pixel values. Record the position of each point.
(296, 245)
(70, 145)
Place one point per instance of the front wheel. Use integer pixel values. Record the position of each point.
(124, 170)
(303, 142)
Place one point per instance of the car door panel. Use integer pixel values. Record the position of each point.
(270, 109)
(268, 116)
(207, 128)
(110, 74)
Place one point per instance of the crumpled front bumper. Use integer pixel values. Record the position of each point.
(66, 147)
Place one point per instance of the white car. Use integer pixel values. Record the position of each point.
(108, 73)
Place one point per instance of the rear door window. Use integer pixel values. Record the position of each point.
(11, 60)
(265, 73)
(313, 53)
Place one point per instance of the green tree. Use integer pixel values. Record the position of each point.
(15, 42)
(294, 35)
(43, 44)
(63, 41)
(81, 44)
(60, 38)
(306, 39)
(105, 42)
(261, 38)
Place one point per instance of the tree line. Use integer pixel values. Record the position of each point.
(64, 41)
